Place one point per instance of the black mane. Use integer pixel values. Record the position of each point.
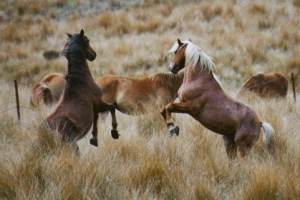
(78, 69)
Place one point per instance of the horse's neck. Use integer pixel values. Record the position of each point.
(78, 70)
(202, 79)
(78, 77)
(177, 81)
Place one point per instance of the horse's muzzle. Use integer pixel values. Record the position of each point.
(92, 56)
(173, 69)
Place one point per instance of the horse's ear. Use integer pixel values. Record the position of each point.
(179, 42)
(69, 35)
(82, 33)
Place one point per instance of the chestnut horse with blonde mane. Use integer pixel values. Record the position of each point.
(80, 103)
(201, 96)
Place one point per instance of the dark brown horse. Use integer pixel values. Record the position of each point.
(270, 85)
(81, 102)
(201, 96)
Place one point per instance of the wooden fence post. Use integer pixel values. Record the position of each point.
(293, 86)
(17, 100)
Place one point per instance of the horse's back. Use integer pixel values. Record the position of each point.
(267, 85)
(129, 94)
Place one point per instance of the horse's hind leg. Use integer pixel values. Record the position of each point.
(245, 139)
(230, 146)
(94, 139)
(114, 131)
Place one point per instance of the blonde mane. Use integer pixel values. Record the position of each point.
(195, 55)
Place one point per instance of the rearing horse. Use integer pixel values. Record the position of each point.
(201, 96)
(80, 103)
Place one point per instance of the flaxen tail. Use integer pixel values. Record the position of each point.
(268, 135)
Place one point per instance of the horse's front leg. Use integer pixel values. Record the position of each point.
(94, 139)
(114, 131)
(177, 107)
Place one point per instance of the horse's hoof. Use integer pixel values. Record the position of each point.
(115, 134)
(174, 131)
(94, 142)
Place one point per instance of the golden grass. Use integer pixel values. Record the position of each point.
(145, 163)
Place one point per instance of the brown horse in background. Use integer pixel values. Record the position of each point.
(48, 89)
(81, 102)
(201, 96)
(272, 85)
(135, 96)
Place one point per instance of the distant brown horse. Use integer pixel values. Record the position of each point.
(48, 90)
(81, 102)
(201, 96)
(270, 85)
(138, 95)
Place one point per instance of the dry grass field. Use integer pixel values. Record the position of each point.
(132, 38)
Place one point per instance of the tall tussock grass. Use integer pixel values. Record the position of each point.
(147, 163)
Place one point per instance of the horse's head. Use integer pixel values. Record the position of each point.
(189, 54)
(179, 59)
(79, 42)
